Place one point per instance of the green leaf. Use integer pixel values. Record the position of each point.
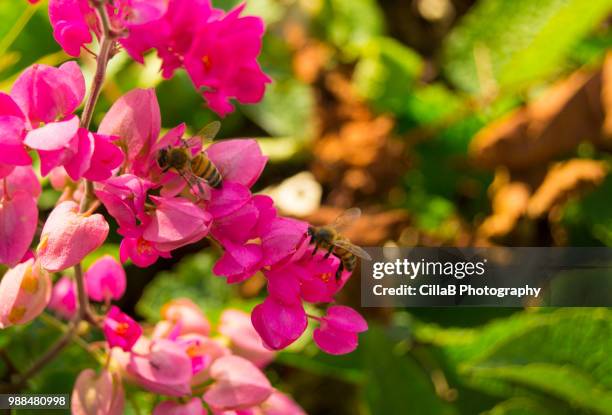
(351, 24)
(562, 382)
(286, 110)
(395, 381)
(519, 406)
(386, 73)
(513, 43)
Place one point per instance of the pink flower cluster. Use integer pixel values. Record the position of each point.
(157, 211)
(181, 359)
(218, 50)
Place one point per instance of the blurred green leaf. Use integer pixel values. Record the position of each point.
(519, 406)
(286, 110)
(395, 381)
(386, 73)
(513, 43)
(350, 24)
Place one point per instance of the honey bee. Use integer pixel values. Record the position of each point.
(193, 169)
(329, 239)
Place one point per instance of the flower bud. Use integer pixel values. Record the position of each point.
(97, 395)
(24, 293)
(105, 279)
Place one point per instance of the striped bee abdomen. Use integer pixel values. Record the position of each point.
(202, 167)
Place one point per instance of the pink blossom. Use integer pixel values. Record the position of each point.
(63, 298)
(97, 394)
(18, 220)
(69, 236)
(22, 178)
(25, 291)
(277, 323)
(188, 314)
(238, 384)
(142, 252)
(135, 118)
(192, 407)
(244, 341)
(338, 331)
(120, 329)
(223, 58)
(124, 197)
(70, 19)
(239, 161)
(166, 368)
(105, 279)
(176, 222)
(279, 404)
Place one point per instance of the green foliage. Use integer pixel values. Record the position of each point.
(517, 42)
(386, 73)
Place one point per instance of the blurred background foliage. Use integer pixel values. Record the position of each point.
(449, 122)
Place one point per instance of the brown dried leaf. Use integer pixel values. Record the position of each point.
(552, 125)
(564, 181)
(509, 204)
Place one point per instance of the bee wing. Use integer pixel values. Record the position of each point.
(346, 218)
(193, 181)
(353, 249)
(205, 135)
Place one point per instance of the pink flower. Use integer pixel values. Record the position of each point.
(22, 178)
(18, 220)
(280, 404)
(24, 293)
(105, 279)
(223, 58)
(186, 313)
(277, 323)
(39, 114)
(124, 197)
(338, 331)
(165, 369)
(120, 329)
(192, 407)
(176, 222)
(238, 384)
(63, 298)
(239, 161)
(97, 395)
(142, 252)
(69, 236)
(244, 341)
(135, 118)
(70, 19)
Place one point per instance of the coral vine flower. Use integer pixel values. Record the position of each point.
(165, 369)
(24, 293)
(39, 114)
(188, 314)
(223, 59)
(97, 394)
(238, 384)
(105, 279)
(63, 298)
(219, 50)
(338, 331)
(121, 330)
(69, 236)
(244, 341)
(18, 214)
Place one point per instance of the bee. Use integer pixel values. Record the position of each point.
(193, 169)
(329, 238)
